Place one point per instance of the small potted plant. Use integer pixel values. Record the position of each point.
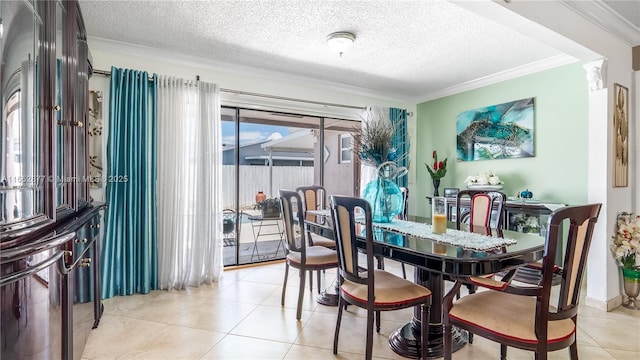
(270, 208)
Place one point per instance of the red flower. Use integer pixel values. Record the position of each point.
(435, 166)
(434, 154)
(441, 165)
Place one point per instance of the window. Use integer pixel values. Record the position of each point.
(345, 148)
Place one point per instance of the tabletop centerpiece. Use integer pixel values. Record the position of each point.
(438, 171)
(626, 251)
(484, 181)
(373, 145)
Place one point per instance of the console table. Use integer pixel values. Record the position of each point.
(511, 208)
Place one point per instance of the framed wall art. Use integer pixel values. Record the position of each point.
(503, 131)
(621, 136)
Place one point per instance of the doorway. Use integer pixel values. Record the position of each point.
(264, 151)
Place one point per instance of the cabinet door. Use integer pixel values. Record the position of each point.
(21, 174)
(73, 85)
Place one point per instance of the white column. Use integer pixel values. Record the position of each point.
(603, 291)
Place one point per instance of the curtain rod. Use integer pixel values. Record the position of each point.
(238, 92)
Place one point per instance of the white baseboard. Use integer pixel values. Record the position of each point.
(603, 305)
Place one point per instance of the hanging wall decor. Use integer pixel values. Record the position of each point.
(503, 131)
(621, 135)
(95, 139)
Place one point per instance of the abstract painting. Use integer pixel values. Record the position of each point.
(621, 135)
(503, 131)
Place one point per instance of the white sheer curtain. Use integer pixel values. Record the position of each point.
(188, 188)
(367, 172)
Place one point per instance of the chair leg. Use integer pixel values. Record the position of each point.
(472, 290)
(318, 272)
(311, 280)
(378, 322)
(300, 294)
(284, 283)
(404, 271)
(573, 351)
(447, 338)
(369, 349)
(503, 352)
(540, 355)
(424, 331)
(337, 332)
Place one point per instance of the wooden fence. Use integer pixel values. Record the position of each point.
(256, 178)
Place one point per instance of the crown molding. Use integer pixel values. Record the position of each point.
(545, 64)
(105, 45)
(599, 13)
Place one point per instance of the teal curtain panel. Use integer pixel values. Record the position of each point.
(400, 141)
(129, 254)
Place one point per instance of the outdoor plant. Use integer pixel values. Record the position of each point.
(626, 241)
(270, 207)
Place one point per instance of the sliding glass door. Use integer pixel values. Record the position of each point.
(264, 151)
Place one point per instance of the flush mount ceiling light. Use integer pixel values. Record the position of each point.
(340, 41)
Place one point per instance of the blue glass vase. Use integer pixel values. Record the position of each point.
(385, 198)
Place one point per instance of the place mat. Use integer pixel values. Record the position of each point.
(467, 240)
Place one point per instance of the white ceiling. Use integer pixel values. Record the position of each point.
(406, 47)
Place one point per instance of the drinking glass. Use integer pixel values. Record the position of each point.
(439, 215)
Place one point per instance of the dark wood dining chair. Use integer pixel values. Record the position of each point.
(525, 318)
(375, 290)
(299, 254)
(485, 214)
(314, 198)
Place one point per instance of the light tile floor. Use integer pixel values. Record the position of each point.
(240, 317)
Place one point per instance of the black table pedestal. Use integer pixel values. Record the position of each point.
(406, 341)
(327, 298)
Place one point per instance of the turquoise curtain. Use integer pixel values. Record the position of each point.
(400, 141)
(129, 254)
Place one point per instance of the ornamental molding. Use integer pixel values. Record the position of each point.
(601, 14)
(596, 74)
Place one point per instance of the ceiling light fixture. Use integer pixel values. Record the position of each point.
(341, 41)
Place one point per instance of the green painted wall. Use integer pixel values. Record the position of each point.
(557, 172)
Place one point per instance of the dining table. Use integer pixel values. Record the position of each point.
(437, 258)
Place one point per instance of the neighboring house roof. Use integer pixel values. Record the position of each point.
(299, 141)
(298, 146)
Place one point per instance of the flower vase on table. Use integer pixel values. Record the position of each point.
(438, 171)
(436, 185)
(383, 194)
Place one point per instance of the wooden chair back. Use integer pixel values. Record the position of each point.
(313, 198)
(580, 221)
(404, 215)
(292, 215)
(346, 228)
(482, 204)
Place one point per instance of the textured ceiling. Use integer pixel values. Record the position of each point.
(404, 47)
